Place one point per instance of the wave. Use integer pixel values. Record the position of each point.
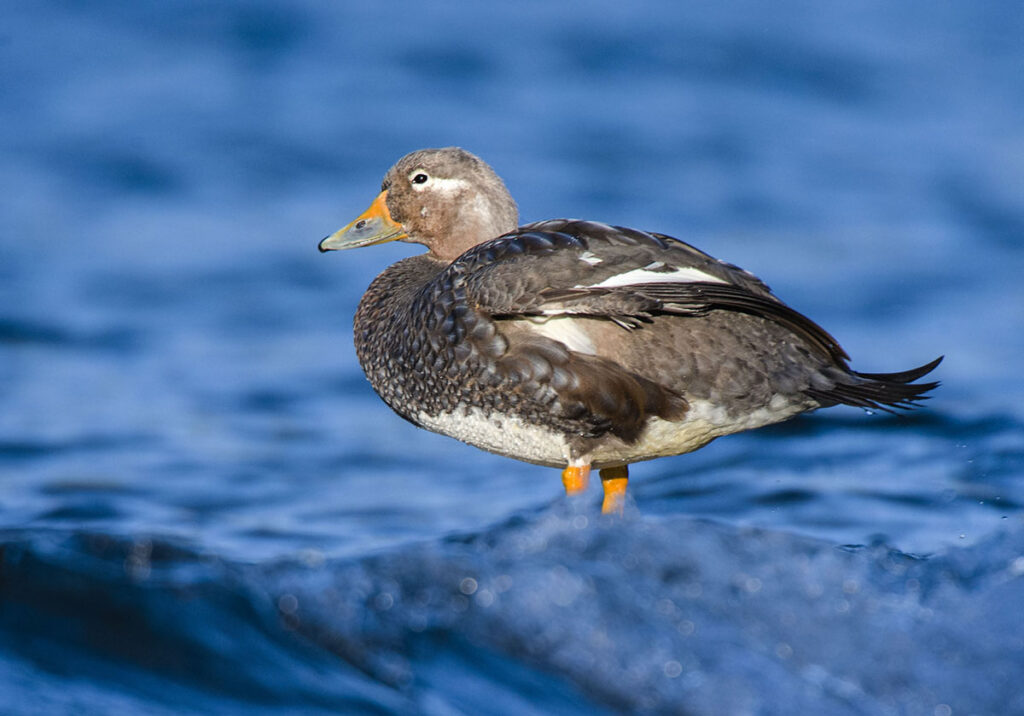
(556, 611)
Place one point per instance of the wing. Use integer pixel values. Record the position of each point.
(581, 268)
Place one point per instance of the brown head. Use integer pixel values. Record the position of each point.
(446, 199)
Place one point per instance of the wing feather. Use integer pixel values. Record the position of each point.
(574, 268)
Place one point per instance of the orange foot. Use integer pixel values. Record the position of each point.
(614, 481)
(575, 479)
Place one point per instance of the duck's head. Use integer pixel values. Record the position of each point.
(446, 199)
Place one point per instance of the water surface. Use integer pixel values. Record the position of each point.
(203, 506)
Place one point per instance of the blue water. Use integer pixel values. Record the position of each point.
(205, 509)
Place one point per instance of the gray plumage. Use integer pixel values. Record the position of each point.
(584, 331)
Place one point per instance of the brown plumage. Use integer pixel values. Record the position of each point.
(573, 343)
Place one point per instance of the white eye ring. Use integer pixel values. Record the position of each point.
(419, 178)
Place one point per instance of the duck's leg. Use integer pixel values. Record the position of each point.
(614, 481)
(575, 479)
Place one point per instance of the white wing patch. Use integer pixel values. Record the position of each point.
(647, 274)
(591, 258)
(566, 330)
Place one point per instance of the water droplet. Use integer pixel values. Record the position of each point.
(288, 604)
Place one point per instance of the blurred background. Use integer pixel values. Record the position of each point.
(204, 507)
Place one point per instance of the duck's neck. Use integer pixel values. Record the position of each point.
(477, 220)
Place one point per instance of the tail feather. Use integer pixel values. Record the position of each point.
(907, 376)
(881, 391)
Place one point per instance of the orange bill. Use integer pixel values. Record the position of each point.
(373, 226)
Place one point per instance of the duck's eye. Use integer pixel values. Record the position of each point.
(420, 178)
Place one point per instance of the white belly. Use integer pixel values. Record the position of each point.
(508, 435)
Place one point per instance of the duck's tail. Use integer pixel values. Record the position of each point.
(881, 391)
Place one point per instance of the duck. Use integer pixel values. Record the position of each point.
(576, 344)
